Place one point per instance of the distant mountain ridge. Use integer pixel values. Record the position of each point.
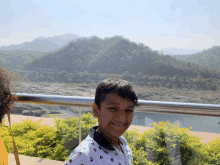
(61, 40)
(176, 51)
(43, 44)
(209, 58)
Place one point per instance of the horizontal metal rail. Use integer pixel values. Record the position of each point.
(143, 105)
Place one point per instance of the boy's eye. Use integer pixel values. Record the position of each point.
(129, 111)
(115, 109)
(112, 108)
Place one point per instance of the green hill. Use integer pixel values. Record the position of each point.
(16, 59)
(115, 55)
(91, 59)
(209, 58)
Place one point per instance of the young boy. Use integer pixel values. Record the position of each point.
(114, 106)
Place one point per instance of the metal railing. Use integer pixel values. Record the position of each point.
(143, 105)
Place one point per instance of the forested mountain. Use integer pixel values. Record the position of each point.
(43, 44)
(209, 58)
(87, 59)
(114, 55)
(16, 59)
(93, 59)
(176, 51)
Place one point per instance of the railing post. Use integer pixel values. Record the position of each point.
(79, 125)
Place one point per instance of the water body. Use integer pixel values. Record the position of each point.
(199, 123)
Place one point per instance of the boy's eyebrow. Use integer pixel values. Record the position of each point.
(113, 103)
(110, 102)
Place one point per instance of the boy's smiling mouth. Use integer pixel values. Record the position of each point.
(119, 125)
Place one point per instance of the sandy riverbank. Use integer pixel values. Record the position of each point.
(51, 122)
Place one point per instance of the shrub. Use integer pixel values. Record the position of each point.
(152, 146)
(212, 151)
(69, 130)
(190, 145)
(137, 145)
(35, 140)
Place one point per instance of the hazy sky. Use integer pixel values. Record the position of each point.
(188, 24)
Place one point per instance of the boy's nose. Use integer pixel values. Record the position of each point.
(121, 117)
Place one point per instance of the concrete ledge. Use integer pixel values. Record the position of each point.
(28, 160)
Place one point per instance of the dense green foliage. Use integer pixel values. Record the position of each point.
(16, 59)
(212, 151)
(209, 58)
(156, 141)
(114, 55)
(35, 140)
(153, 147)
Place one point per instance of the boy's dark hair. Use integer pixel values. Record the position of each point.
(114, 86)
(6, 98)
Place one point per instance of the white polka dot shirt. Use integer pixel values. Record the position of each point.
(95, 150)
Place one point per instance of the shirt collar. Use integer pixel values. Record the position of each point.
(100, 139)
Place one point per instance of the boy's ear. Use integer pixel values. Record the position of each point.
(95, 110)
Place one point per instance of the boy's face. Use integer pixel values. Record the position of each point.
(115, 115)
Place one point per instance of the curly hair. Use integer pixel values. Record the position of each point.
(7, 77)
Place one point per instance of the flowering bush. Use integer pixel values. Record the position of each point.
(162, 144)
(166, 143)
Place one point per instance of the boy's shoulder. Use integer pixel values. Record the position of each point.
(84, 147)
(81, 152)
(89, 144)
(91, 152)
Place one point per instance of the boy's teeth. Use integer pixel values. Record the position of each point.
(117, 124)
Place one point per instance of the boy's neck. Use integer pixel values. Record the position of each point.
(113, 141)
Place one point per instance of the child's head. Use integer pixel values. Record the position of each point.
(114, 105)
(6, 99)
(117, 86)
